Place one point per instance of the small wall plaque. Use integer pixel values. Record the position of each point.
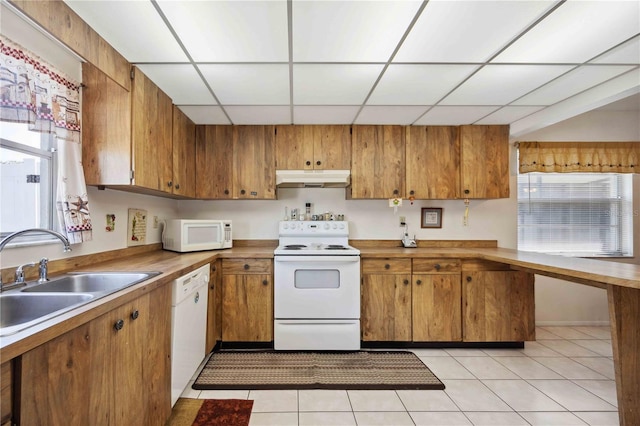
(431, 217)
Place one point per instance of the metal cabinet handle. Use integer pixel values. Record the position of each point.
(170, 184)
(318, 162)
(437, 266)
(226, 192)
(405, 282)
(135, 314)
(308, 163)
(265, 282)
(412, 192)
(395, 192)
(118, 325)
(468, 279)
(466, 191)
(387, 266)
(246, 266)
(418, 282)
(177, 186)
(242, 191)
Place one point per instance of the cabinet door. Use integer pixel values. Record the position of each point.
(6, 393)
(254, 162)
(151, 123)
(294, 147)
(247, 306)
(437, 308)
(331, 147)
(184, 153)
(214, 307)
(498, 306)
(214, 162)
(377, 162)
(484, 161)
(106, 129)
(433, 162)
(386, 307)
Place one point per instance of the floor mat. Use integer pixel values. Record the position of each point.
(315, 370)
(213, 412)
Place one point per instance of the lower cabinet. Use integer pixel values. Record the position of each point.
(113, 370)
(247, 300)
(214, 306)
(498, 303)
(6, 393)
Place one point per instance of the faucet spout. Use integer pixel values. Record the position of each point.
(62, 238)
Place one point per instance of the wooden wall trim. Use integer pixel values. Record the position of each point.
(426, 243)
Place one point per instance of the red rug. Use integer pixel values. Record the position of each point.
(224, 412)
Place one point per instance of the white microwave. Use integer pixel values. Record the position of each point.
(184, 235)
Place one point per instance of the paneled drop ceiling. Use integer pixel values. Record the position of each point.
(526, 63)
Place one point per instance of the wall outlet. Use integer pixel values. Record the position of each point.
(155, 222)
(403, 220)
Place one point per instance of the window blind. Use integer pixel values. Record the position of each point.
(581, 214)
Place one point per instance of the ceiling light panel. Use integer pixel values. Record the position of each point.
(502, 84)
(349, 31)
(508, 114)
(201, 114)
(467, 31)
(249, 84)
(259, 114)
(325, 114)
(180, 81)
(576, 32)
(390, 114)
(333, 84)
(571, 83)
(628, 53)
(231, 31)
(454, 115)
(410, 84)
(120, 23)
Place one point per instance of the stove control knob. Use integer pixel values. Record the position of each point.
(334, 226)
(342, 226)
(326, 226)
(285, 226)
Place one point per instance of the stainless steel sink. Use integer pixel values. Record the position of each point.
(36, 303)
(90, 282)
(19, 310)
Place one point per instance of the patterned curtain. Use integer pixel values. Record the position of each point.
(591, 157)
(33, 92)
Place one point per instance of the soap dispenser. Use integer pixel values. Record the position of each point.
(406, 241)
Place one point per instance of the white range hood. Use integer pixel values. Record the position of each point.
(313, 178)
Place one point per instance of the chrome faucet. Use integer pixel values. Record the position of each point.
(43, 262)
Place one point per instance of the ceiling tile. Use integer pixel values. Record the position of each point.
(467, 31)
(571, 83)
(628, 53)
(508, 114)
(259, 114)
(326, 114)
(333, 84)
(230, 31)
(454, 115)
(349, 31)
(418, 84)
(120, 23)
(389, 114)
(181, 82)
(249, 84)
(205, 114)
(576, 32)
(502, 84)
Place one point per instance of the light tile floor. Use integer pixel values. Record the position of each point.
(566, 377)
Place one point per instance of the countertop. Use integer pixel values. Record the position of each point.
(173, 265)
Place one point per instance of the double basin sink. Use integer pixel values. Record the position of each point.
(36, 303)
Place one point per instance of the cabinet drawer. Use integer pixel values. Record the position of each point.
(435, 266)
(386, 266)
(246, 266)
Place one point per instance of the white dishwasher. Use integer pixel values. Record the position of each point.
(188, 327)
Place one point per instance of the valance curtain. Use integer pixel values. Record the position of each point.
(590, 157)
(33, 92)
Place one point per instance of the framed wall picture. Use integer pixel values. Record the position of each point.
(431, 217)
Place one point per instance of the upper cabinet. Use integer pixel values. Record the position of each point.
(310, 147)
(377, 161)
(432, 162)
(184, 154)
(484, 160)
(235, 162)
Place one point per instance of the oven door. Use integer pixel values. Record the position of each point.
(317, 287)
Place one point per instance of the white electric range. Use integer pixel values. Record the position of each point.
(317, 287)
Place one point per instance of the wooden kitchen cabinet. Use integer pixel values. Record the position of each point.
(309, 147)
(484, 163)
(437, 300)
(184, 155)
(386, 300)
(6, 393)
(432, 162)
(235, 162)
(247, 300)
(377, 162)
(498, 303)
(214, 306)
(113, 370)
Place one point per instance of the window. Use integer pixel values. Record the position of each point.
(579, 214)
(28, 166)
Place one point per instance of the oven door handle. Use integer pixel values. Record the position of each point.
(333, 259)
